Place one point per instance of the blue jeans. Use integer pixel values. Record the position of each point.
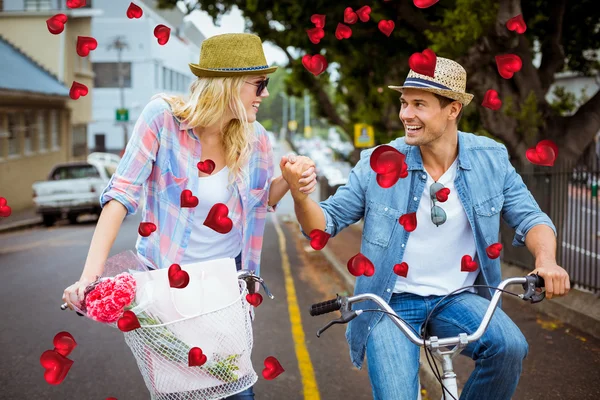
(393, 361)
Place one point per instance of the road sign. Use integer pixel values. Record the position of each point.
(364, 135)
(293, 125)
(307, 132)
(122, 115)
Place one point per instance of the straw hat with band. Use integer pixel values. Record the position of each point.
(232, 54)
(450, 80)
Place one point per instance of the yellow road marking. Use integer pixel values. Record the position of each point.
(309, 383)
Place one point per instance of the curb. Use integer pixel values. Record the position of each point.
(26, 223)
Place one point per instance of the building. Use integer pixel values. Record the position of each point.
(146, 68)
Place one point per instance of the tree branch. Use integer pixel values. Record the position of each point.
(413, 17)
(553, 55)
(579, 129)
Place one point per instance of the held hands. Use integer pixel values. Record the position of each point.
(556, 278)
(299, 173)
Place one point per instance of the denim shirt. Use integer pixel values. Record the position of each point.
(488, 187)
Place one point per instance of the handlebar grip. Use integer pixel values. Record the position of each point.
(326, 306)
(539, 282)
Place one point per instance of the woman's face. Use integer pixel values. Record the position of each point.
(249, 95)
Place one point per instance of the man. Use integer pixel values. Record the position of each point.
(482, 186)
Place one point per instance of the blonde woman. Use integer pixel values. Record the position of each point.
(174, 146)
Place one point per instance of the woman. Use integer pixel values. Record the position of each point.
(208, 146)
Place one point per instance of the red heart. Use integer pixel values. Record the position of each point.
(187, 199)
(195, 357)
(162, 33)
(85, 44)
(467, 264)
(516, 24)
(364, 13)
(491, 100)
(128, 321)
(5, 210)
(401, 269)
(389, 165)
(508, 64)
(134, 11)
(56, 365)
(254, 298)
(272, 368)
(350, 16)
(493, 250)
(206, 166)
(423, 63)
(318, 239)
(178, 278)
(544, 153)
(318, 20)
(314, 64)
(315, 35)
(146, 228)
(424, 3)
(442, 194)
(218, 220)
(343, 32)
(75, 3)
(360, 265)
(64, 343)
(408, 221)
(56, 24)
(386, 27)
(78, 90)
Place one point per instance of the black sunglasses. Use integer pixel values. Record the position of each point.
(260, 85)
(438, 215)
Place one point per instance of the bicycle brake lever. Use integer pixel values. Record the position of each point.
(531, 294)
(346, 317)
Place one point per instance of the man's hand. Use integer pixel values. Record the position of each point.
(299, 173)
(556, 278)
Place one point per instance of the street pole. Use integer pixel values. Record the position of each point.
(119, 45)
(293, 111)
(284, 127)
(307, 128)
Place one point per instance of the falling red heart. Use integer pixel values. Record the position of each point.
(128, 322)
(389, 165)
(78, 90)
(423, 63)
(146, 228)
(544, 153)
(272, 368)
(493, 250)
(318, 20)
(85, 44)
(315, 35)
(64, 343)
(424, 3)
(350, 16)
(408, 221)
(75, 3)
(343, 32)
(386, 27)
(491, 100)
(5, 210)
(401, 269)
(56, 24)
(187, 199)
(442, 194)
(508, 64)
(364, 13)
(178, 278)
(134, 11)
(196, 358)
(359, 265)
(517, 24)
(206, 166)
(218, 220)
(318, 239)
(162, 33)
(467, 264)
(56, 365)
(254, 298)
(314, 64)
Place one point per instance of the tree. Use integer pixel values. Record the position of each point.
(472, 32)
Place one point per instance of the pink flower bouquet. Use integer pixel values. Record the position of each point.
(108, 299)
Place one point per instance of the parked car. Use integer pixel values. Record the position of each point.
(109, 159)
(71, 189)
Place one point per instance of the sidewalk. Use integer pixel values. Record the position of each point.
(20, 220)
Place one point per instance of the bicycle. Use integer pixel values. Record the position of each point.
(433, 345)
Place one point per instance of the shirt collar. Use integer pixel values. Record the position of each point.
(415, 162)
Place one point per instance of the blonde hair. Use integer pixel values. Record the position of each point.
(209, 101)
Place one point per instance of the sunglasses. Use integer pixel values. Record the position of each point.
(260, 86)
(438, 215)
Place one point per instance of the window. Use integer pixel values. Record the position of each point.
(13, 135)
(55, 131)
(38, 5)
(75, 172)
(82, 64)
(107, 74)
(79, 140)
(29, 130)
(41, 129)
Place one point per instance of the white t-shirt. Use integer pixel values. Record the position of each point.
(434, 253)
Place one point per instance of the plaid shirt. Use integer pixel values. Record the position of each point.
(161, 161)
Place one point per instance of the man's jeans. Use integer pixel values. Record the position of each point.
(393, 361)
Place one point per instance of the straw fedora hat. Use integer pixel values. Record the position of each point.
(232, 54)
(450, 80)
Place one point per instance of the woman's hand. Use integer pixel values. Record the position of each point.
(304, 177)
(74, 294)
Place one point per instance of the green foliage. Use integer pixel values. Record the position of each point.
(565, 103)
(529, 118)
